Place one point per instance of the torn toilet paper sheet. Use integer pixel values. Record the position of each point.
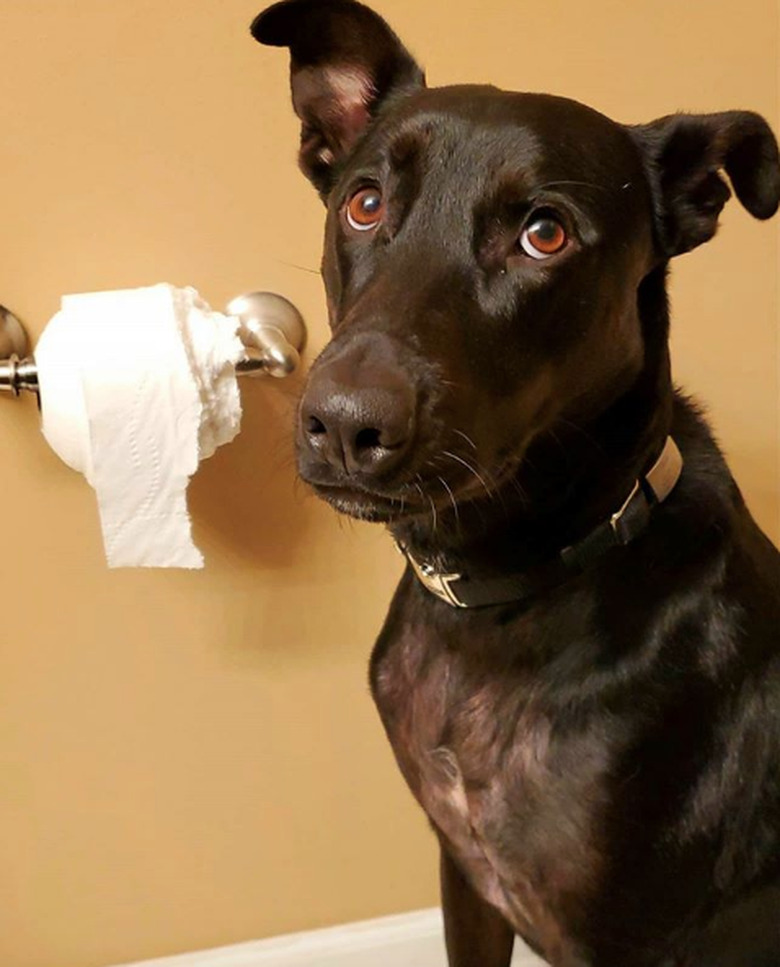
(137, 386)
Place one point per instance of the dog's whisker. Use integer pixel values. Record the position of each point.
(466, 437)
(454, 502)
(434, 514)
(468, 466)
(519, 490)
(426, 496)
(294, 265)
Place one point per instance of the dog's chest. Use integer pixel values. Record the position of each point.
(516, 801)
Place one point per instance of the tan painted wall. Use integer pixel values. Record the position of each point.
(192, 759)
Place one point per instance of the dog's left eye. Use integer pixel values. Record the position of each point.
(542, 237)
(365, 209)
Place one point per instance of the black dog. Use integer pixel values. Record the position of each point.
(595, 733)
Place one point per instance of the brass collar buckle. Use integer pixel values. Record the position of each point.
(436, 582)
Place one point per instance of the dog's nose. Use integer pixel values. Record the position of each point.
(360, 422)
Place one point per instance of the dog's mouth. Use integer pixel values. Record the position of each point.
(363, 505)
(431, 497)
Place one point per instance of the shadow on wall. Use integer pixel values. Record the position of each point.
(247, 498)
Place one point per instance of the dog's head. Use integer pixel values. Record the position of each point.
(484, 261)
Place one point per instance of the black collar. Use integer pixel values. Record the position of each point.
(461, 591)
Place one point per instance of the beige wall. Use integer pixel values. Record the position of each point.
(192, 759)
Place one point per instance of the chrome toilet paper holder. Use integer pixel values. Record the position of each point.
(271, 329)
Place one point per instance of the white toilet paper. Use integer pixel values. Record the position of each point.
(138, 386)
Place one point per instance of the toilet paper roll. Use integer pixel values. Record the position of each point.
(137, 386)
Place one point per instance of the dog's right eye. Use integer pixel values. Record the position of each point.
(543, 236)
(365, 209)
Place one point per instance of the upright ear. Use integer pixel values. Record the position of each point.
(344, 64)
(684, 154)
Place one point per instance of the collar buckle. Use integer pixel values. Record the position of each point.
(620, 528)
(653, 488)
(434, 581)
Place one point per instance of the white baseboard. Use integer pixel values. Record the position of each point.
(406, 940)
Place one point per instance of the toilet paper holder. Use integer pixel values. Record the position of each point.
(271, 329)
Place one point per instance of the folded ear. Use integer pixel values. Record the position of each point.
(684, 154)
(345, 62)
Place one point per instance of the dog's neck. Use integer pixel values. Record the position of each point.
(572, 478)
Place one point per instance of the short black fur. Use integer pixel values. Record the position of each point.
(601, 763)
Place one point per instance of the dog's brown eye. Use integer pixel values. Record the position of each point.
(543, 237)
(365, 209)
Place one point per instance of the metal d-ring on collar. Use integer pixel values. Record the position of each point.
(461, 591)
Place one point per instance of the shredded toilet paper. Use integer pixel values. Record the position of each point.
(137, 386)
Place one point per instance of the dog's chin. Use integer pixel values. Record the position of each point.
(374, 508)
